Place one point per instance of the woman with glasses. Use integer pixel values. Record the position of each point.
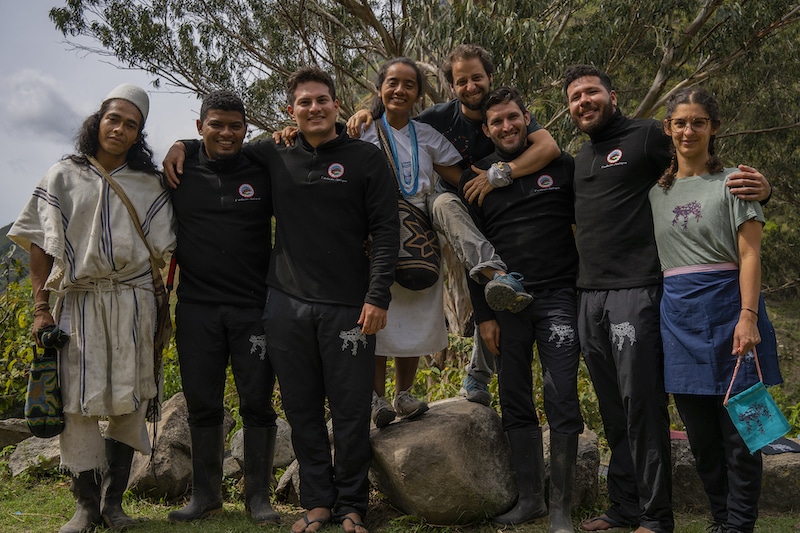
(712, 312)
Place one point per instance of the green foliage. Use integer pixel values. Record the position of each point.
(16, 320)
(744, 52)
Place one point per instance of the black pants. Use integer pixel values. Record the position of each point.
(730, 475)
(318, 350)
(621, 344)
(206, 337)
(550, 322)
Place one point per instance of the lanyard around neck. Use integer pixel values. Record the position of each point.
(409, 184)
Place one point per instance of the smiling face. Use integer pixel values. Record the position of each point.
(591, 104)
(400, 90)
(223, 133)
(507, 126)
(470, 83)
(118, 131)
(690, 144)
(314, 110)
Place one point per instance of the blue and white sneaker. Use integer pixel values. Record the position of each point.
(506, 293)
(475, 391)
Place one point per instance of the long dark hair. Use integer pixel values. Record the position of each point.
(140, 155)
(377, 108)
(702, 98)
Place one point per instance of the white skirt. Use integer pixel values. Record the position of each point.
(415, 323)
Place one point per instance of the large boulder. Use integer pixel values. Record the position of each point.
(13, 431)
(453, 465)
(450, 466)
(167, 473)
(35, 454)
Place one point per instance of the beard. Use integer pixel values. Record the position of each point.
(607, 111)
(475, 107)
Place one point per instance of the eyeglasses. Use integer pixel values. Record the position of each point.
(677, 125)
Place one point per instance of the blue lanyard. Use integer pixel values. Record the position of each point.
(409, 184)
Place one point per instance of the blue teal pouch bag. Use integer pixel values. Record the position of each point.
(755, 414)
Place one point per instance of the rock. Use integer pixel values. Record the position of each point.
(288, 489)
(167, 473)
(778, 487)
(449, 466)
(687, 489)
(35, 454)
(284, 453)
(585, 491)
(13, 431)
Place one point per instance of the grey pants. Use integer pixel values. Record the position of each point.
(450, 218)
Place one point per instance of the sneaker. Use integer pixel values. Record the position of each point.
(407, 406)
(475, 391)
(506, 293)
(382, 412)
(716, 528)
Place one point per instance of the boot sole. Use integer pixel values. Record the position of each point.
(501, 297)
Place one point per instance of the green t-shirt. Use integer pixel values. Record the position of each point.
(696, 221)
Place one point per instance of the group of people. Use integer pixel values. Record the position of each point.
(645, 197)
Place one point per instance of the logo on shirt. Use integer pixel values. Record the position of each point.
(545, 181)
(246, 190)
(336, 171)
(685, 212)
(614, 156)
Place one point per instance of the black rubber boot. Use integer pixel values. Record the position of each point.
(563, 454)
(259, 451)
(86, 489)
(527, 457)
(208, 445)
(115, 482)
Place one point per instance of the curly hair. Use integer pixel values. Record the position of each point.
(222, 100)
(573, 72)
(465, 52)
(87, 142)
(701, 97)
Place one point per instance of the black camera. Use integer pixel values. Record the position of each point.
(52, 337)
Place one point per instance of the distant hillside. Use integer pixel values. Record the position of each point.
(5, 247)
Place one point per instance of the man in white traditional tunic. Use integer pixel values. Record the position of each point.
(85, 248)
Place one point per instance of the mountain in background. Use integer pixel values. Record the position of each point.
(5, 248)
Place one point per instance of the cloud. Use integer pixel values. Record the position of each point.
(36, 106)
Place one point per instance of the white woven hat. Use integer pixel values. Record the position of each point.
(133, 94)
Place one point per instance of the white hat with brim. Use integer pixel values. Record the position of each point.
(132, 94)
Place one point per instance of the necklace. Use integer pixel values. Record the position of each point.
(408, 172)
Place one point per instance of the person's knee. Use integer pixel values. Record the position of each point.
(445, 204)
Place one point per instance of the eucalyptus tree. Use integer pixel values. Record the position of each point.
(745, 51)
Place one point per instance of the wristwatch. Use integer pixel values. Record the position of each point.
(499, 174)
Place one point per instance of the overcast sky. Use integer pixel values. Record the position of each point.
(46, 91)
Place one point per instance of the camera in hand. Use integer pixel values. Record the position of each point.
(52, 337)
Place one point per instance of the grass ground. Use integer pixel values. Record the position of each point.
(42, 505)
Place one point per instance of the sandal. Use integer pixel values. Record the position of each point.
(605, 523)
(356, 524)
(308, 522)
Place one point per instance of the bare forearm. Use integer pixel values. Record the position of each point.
(542, 149)
(41, 264)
